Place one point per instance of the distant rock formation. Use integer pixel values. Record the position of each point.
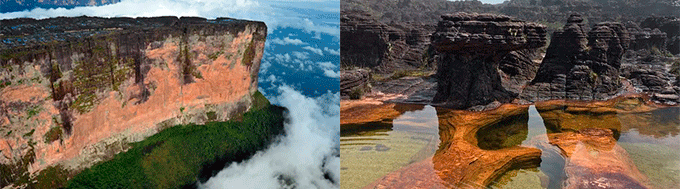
(580, 65)
(645, 38)
(384, 48)
(670, 25)
(470, 47)
(75, 91)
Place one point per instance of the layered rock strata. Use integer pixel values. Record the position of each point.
(470, 47)
(645, 38)
(354, 83)
(581, 65)
(670, 25)
(76, 91)
(384, 48)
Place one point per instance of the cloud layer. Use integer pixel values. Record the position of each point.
(303, 158)
(276, 14)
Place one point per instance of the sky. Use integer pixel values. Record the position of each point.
(489, 1)
(299, 70)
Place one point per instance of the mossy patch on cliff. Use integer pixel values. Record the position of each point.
(53, 134)
(249, 54)
(176, 156)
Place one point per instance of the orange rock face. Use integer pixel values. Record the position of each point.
(185, 79)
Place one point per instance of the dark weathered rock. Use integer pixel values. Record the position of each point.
(364, 40)
(580, 65)
(384, 48)
(645, 38)
(670, 25)
(651, 73)
(354, 83)
(470, 49)
(518, 68)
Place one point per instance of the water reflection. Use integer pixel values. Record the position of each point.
(371, 150)
(550, 145)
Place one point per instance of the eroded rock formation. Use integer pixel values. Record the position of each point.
(354, 83)
(384, 48)
(76, 91)
(645, 38)
(465, 161)
(470, 48)
(670, 25)
(581, 65)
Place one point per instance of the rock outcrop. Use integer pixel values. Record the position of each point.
(76, 91)
(470, 47)
(645, 38)
(384, 48)
(670, 25)
(580, 65)
(354, 83)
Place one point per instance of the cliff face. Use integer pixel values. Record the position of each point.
(470, 49)
(76, 91)
(385, 48)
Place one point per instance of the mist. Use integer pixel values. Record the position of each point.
(306, 157)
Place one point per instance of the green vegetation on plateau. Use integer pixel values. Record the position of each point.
(175, 157)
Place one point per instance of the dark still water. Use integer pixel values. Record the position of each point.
(622, 143)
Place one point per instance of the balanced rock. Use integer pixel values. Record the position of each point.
(470, 48)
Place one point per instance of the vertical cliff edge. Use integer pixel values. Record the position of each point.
(76, 91)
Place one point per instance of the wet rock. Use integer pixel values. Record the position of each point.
(652, 73)
(381, 148)
(412, 90)
(460, 162)
(581, 65)
(470, 47)
(596, 161)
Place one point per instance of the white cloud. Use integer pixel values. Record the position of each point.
(331, 73)
(301, 55)
(264, 67)
(276, 14)
(331, 51)
(287, 41)
(271, 78)
(314, 50)
(327, 65)
(305, 154)
(282, 57)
